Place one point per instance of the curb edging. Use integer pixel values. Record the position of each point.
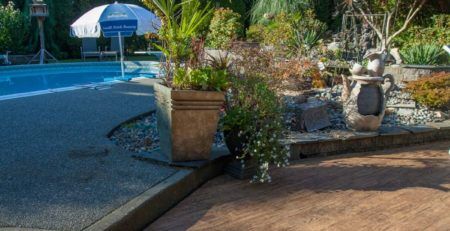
(137, 213)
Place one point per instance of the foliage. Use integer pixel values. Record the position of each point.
(222, 61)
(432, 91)
(436, 30)
(264, 10)
(307, 31)
(324, 10)
(291, 34)
(428, 54)
(13, 29)
(280, 74)
(396, 20)
(254, 111)
(237, 6)
(224, 28)
(255, 33)
(252, 61)
(276, 32)
(297, 74)
(150, 4)
(184, 21)
(279, 32)
(204, 78)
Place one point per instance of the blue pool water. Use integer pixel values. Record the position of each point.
(32, 79)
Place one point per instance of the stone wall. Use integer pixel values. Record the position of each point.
(410, 73)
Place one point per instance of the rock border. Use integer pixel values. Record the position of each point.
(305, 145)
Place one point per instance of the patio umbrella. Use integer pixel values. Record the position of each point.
(115, 20)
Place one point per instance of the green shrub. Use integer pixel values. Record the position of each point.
(255, 114)
(436, 30)
(298, 32)
(307, 30)
(205, 78)
(428, 54)
(183, 23)
(225, 27)
(237, 6)
(255, 33)
(277, 32)
(432, 91)
(13, 29)
(263, 10)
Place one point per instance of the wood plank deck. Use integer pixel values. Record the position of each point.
(399, 189)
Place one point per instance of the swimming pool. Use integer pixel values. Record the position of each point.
(28, 80)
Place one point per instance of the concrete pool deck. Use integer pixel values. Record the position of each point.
(58, 169)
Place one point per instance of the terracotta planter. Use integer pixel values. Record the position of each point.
(187, 122)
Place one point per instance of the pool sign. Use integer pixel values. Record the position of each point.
(112, 28)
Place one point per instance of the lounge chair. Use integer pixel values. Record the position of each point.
(89, 48)
(5, 58)
(157, 54)
(114, 48)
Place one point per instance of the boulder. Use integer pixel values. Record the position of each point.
(311, 115)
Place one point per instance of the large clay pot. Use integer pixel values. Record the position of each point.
(187, 122)
(365, 105)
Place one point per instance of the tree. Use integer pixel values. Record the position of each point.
(386, 33)
(13, 28)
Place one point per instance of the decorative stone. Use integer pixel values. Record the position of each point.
(405, 112)
(187, 122)
(364, 108)
(312, 115)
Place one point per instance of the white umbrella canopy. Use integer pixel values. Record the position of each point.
(115, 20)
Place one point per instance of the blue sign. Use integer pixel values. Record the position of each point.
(125, 27)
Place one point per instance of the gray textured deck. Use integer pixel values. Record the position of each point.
(58, 170)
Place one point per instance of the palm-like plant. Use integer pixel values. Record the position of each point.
(265, 8)
(181, 23)
(428, 54)
(307, 32)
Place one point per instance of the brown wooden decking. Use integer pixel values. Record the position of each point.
(399, 189)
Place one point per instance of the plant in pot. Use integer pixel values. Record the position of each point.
(253, 126)
(189, 100)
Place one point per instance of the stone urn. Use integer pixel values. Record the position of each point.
(187, 122)
(364, 96)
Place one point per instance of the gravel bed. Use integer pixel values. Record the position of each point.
(401, 109)
(142, 135)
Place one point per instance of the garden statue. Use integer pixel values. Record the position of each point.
(364, 97)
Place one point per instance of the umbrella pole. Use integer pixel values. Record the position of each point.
(121, 56)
